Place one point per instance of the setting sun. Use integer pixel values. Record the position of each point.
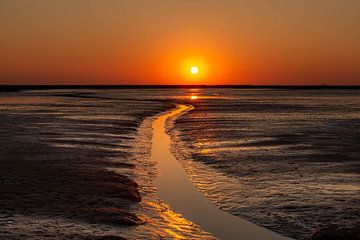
(194, 70)
(183, 109)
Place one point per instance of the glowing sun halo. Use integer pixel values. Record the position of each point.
(194, 70)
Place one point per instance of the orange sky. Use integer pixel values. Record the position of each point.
(156, 41)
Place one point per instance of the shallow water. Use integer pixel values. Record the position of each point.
(175, 188)
(284, 159)
(69, 162)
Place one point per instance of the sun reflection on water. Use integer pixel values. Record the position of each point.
(175, 225)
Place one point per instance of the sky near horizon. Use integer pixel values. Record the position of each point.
(157, 41)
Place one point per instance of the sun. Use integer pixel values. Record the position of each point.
(194, 70)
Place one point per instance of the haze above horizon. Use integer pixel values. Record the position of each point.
(248, 42)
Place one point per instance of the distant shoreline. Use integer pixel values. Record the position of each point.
(16, 88)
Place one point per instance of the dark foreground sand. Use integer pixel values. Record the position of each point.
(69, 168)
(287, 160)
(55, 154)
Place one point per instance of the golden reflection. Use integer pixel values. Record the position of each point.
(175, 224)
(174, 234)
(205, 151)
(193, 97)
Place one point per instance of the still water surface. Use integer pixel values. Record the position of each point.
(175, 188)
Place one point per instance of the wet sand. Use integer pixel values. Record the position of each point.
(175, 188)
(75, 164)
(287, 160)
(57, 155)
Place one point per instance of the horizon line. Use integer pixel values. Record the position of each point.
(19, 87)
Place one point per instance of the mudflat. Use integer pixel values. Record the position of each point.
(57, 151)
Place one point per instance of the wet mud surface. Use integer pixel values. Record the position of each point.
(75, 164)
(284, 159)
(57, 154)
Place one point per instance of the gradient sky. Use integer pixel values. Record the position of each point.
(154, 41)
